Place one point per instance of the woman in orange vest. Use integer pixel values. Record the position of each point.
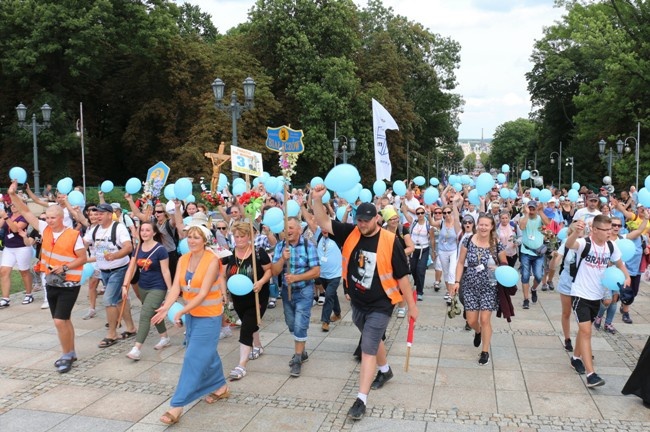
(198, 276)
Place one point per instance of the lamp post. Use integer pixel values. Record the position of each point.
(530, 164)
(601, 150)
(556, 156)
(36, 128)
(234, 108)
(636, 150)
(569, 162)
(344, 153)
(80, 134)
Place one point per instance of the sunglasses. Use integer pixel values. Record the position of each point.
(437, 212)
(593, 200)
(447, 212)
(92, 209)
(160, 211)
(222, 228)
(419, 213)
(617, 226)
(468, 223)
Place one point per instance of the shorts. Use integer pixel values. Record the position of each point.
(372, 326)
(20, 257)
(585, 310)
(113, 280)
(62, 300)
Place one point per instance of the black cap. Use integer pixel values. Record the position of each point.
(105, 208)
(366, 211)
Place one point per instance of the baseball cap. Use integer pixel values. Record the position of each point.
(366, 211)
(592, 196)
(552, 200)
(532, 203)
(105, 208)
(116, 206)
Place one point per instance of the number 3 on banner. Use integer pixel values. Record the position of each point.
(241, 162)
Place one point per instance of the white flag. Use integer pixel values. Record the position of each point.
(381, 121)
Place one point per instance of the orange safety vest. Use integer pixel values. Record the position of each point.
(212, 305)
(384, 261)
(60, 252)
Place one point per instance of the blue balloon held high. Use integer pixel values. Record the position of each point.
(513, 194)
(646, 183)
(505, 168)
(182, 188)
(326, 198)
(399, 188)
(525, 175)
(293, 208)
(484, 183)
(19, 174)
(273, 216)
(272, 185)
(76, 198)
(465, 179)
(458, 187)
(575, 186)
(504, 193)
(501, 178)
(238, 188)
(379, 187)
(316, 181)
(351, 195)
(64, 185)
(434, 181)
(106, 186)
(613, 278)
(277, 228)
(453, 179)
(473, 197)
(419, 180)
(534, 192)
(545, 195)
(341, 177)
(173, 310)
(506, 276)
(644, 197)
(431, 195)
(365, 195)
(239, 180)
(133, 185)
(190, 198)
(573, 195)
(169, 192)
(627, 248)
(239, 284)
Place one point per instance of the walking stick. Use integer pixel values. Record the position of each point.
(409, 338)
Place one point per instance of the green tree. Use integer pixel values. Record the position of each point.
(513, 143)
(469, 163)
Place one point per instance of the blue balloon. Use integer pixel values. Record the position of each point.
(239, 284)
(506, 276)
(76, 199)
(419, 180)
(534, 192)
(341, 177)
(169, 192)
(484, 183)
(613, 278)
(575, 186)
(365, 195)
(434, 181)
(64, 185)
(190, 199)
(326, 198)
(453, 179)
(458, 187)
(501, 178)
(277, 228)
(505, 168)
(525, 175)
(399, 188)
(379, 187)
(173, 310)
(19, 174)
(222, 183)
(272, 185)
(545, 195)
(256, 181)
(273, 216)
(644, 197)
(431, 195)
(573, 195)
(183, 247)
(238, 180)
(340, 212)
(563, 234)
(238, 189)
(106, 186)
(513, 194)
(603, 200)
(504, 193)
(627, 248)
(646, 183)
(351, 195)
(265, 176)
(86, 272)
(316, 181)
(182, 188)
(187, 220)
(132, 186)
(465, 179)
(293, 208)
(474, 197)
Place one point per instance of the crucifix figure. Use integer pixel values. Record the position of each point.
(218, 159)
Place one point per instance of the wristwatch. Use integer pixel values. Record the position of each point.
(65, 268)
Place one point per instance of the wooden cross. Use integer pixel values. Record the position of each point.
(218, 159)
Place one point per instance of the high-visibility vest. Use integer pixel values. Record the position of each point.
(384, 261)
(60, 252)
(212, 304)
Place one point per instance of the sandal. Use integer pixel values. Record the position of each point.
(237, 373)
(171, 418)
(28, 299)
(128, 334)
(256, 353)
(214, 396)
(106, 342)
(59, 362)
(65, 365)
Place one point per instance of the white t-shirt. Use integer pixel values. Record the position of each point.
(104, 246)
(588, 283)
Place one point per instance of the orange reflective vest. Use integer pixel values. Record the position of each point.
(212, 304)
(60, 252)
(384, 261)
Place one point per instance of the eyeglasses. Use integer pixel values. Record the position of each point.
(617, 226)
(438, 212)
(160, 211)
(419, 213)
(446, 212)
(222, 228)
(92, 209)
(603, 229)
(468, 223)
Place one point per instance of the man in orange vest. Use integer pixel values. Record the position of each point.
(375, 276)
(62, 256)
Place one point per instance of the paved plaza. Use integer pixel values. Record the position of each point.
(527, 386)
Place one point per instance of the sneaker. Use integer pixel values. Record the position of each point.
(477, 339)
(551, 287)
(238, 323)
(401, 312)
(567, 345)
(484, 359)
(231, 306)
(90, 314)
(594, 380)
(226, 332)
(296, 365)
(447, 297)
(544, 287)
(436, 286)
(335, 318)
(303, 359)
(533, 295)
(381, 379)
(321, 300)
(134, 354)
(325, 327)
(420, 297)
(271, 304)
(626, 318)
(163, 343)
(28, 299)
(610, 328)
(526, 304)
(358, 410)
(5, 303)
(577, 364)
(597, 322)
(45, 305)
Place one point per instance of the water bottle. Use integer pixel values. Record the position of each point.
(492, 266)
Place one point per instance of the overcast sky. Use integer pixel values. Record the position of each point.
(496, 38)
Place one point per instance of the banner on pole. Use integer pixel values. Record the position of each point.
(246, 161)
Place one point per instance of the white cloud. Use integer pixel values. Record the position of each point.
(496, 38)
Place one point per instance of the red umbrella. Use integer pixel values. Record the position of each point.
(409, 337)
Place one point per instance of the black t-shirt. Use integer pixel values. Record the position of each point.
(364, 286)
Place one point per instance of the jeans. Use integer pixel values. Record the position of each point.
(273, 288)
(151, 300)
(419, 268)
(297, 311)
(331, 299)
(113, 281)
(611, 311)
(534, 263)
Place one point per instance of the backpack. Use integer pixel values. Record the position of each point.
(113, 234)
(573, 267)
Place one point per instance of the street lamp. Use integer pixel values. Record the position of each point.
(569, 162)
(344, 153)
(80, 134)
(636, 150)
(601, 150)
(530, 164)
(556, 156)
(36, 128)
(234, 108)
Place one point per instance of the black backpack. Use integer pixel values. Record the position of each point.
(113, 234)
(573, 267)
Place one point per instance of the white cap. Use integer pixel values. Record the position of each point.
(170, 207)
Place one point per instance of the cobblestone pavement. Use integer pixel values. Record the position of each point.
(527, 386)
